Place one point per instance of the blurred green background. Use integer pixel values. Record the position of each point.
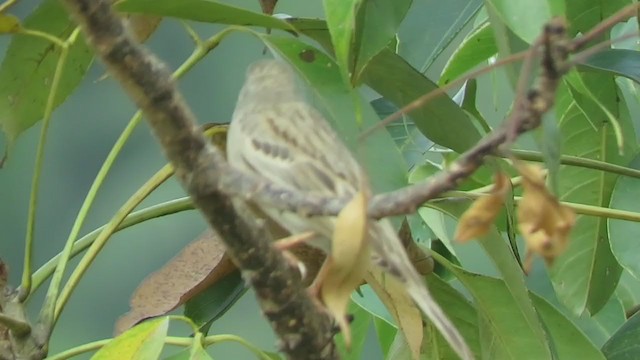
(83, 131)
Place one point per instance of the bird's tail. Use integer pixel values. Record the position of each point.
(427, 304)
(394, 258)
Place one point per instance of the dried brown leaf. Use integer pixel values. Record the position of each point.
(200, 264)
(268, 6)
(479, 218)
(348, 262)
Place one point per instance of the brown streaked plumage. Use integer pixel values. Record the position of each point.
(276, 134)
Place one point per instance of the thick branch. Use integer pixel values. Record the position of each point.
(305, 331)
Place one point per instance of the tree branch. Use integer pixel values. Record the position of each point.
(304, 330)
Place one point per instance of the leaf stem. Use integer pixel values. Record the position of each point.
(110, 228)
(6, 5)
(169, 340)
(140, 216)
(39, 162)
(580, 162)
(43, 35)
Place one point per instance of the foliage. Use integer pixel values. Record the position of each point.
(588, 145)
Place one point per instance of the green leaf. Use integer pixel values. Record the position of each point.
(624, 234)
(202, 10)
(434, 346)
(386, 334)
(515, 292)
(440, 120)
(9, 24)
(624, 344)
(513, 333)
(586, 275)
(583, 15)
(360, 29)
(526, 18)
(433, 218)
(399, 349)
(550, 144)
(628, 291)
(359, 329)
(621, 62)
(431, 27)
(408, 138)
(368, 300)
(601, 326)
(272, 355)
(469, 94)
(345, 109)
(507, 42)
(341, 21)
(569, 341)
(377, 25)
(598, 328)
(28, 67)
(439, 247)
(461, 312)
(591, 106)
(144, 341)
(216, 300)
(478, 46)
(400, 130)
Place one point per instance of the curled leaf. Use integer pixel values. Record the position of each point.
(544, 223)
(348, 262)
(477, 220)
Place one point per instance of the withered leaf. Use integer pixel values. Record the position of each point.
(477, 220)
(348, 262)
(200, 264)
(268, 6)
(544, 223)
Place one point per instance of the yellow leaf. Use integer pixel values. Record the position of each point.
(348, 261)
(395, 298)
(477, 220)
(144, 341)
(544, 223)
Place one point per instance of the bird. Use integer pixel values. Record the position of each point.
(277, 135)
